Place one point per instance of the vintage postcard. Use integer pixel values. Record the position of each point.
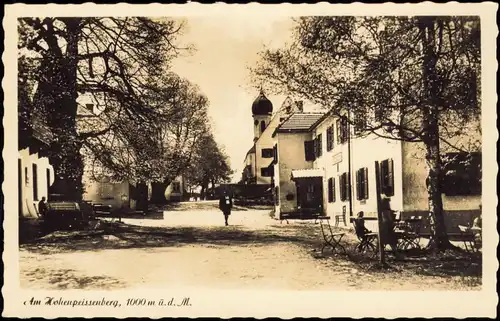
(250, 160)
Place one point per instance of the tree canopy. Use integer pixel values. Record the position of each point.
(140, 118)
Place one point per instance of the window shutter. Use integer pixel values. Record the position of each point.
(390, 177)
(330, 198)
(333, 190)
(320, 145)
(348, 185)
(383, 176)
(342, 187)
(309, 150)
(316, 148)
(339, 133)
(365, 179)
(358, 185)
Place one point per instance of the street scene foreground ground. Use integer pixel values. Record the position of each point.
(188, 245)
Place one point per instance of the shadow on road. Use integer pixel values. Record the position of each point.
(122, 236)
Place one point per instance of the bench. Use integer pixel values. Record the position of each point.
(330, 239)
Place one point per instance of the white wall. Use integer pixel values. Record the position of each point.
(118, 190)
(291, 156)
(364, 152)
(27, 193)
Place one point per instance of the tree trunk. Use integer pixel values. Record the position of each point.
(158, 192)
(142, 197)
(439, 237)
(59, 95)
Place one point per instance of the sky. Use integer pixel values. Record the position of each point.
(225, 47)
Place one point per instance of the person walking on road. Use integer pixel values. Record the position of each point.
(225, 205)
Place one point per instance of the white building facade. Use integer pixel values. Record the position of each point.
(343, 167)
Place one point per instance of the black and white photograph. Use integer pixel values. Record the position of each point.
(250, 160)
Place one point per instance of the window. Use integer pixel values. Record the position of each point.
(362, 183)
(344, 187)
(275, 154)
(35, 182)
(309, 150)
(461, 174)
(262, 126)
(331, 190)
(176, 187)
(329, 138)
(387, 177)
(267, 171)
(267, 153)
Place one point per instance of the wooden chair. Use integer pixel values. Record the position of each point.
(339, 218)
(367, 240)
(330, 239)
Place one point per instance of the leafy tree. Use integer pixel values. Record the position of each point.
(414, 79)
(209, 165)
(112, 60)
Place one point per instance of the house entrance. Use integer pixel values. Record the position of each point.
(310, 194)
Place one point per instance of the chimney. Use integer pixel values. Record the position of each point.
(300, 105)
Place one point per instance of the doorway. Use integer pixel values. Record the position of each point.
(310, 194)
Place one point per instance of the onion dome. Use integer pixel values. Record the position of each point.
(262, 105)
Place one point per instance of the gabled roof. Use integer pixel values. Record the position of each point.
(301, 122)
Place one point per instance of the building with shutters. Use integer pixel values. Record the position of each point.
(322, 166)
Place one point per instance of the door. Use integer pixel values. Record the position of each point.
(310, 192)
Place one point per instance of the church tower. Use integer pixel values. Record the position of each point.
(262, 110)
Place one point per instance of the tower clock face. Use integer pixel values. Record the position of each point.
(256, 122)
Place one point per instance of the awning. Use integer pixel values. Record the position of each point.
(306, 173)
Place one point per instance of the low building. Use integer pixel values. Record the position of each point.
(127, 195)
(35, 173)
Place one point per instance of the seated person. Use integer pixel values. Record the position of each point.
(42, 207)
(360, 222)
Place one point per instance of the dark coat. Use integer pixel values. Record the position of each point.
(226, 203)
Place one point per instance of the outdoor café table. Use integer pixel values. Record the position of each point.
(330, 239)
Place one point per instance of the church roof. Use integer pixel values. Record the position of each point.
(262, 105)
(300, 122)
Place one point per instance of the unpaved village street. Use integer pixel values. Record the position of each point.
(190, 246)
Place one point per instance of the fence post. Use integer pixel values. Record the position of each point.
(381, 245)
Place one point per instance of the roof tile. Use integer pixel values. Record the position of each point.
(300, 121)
